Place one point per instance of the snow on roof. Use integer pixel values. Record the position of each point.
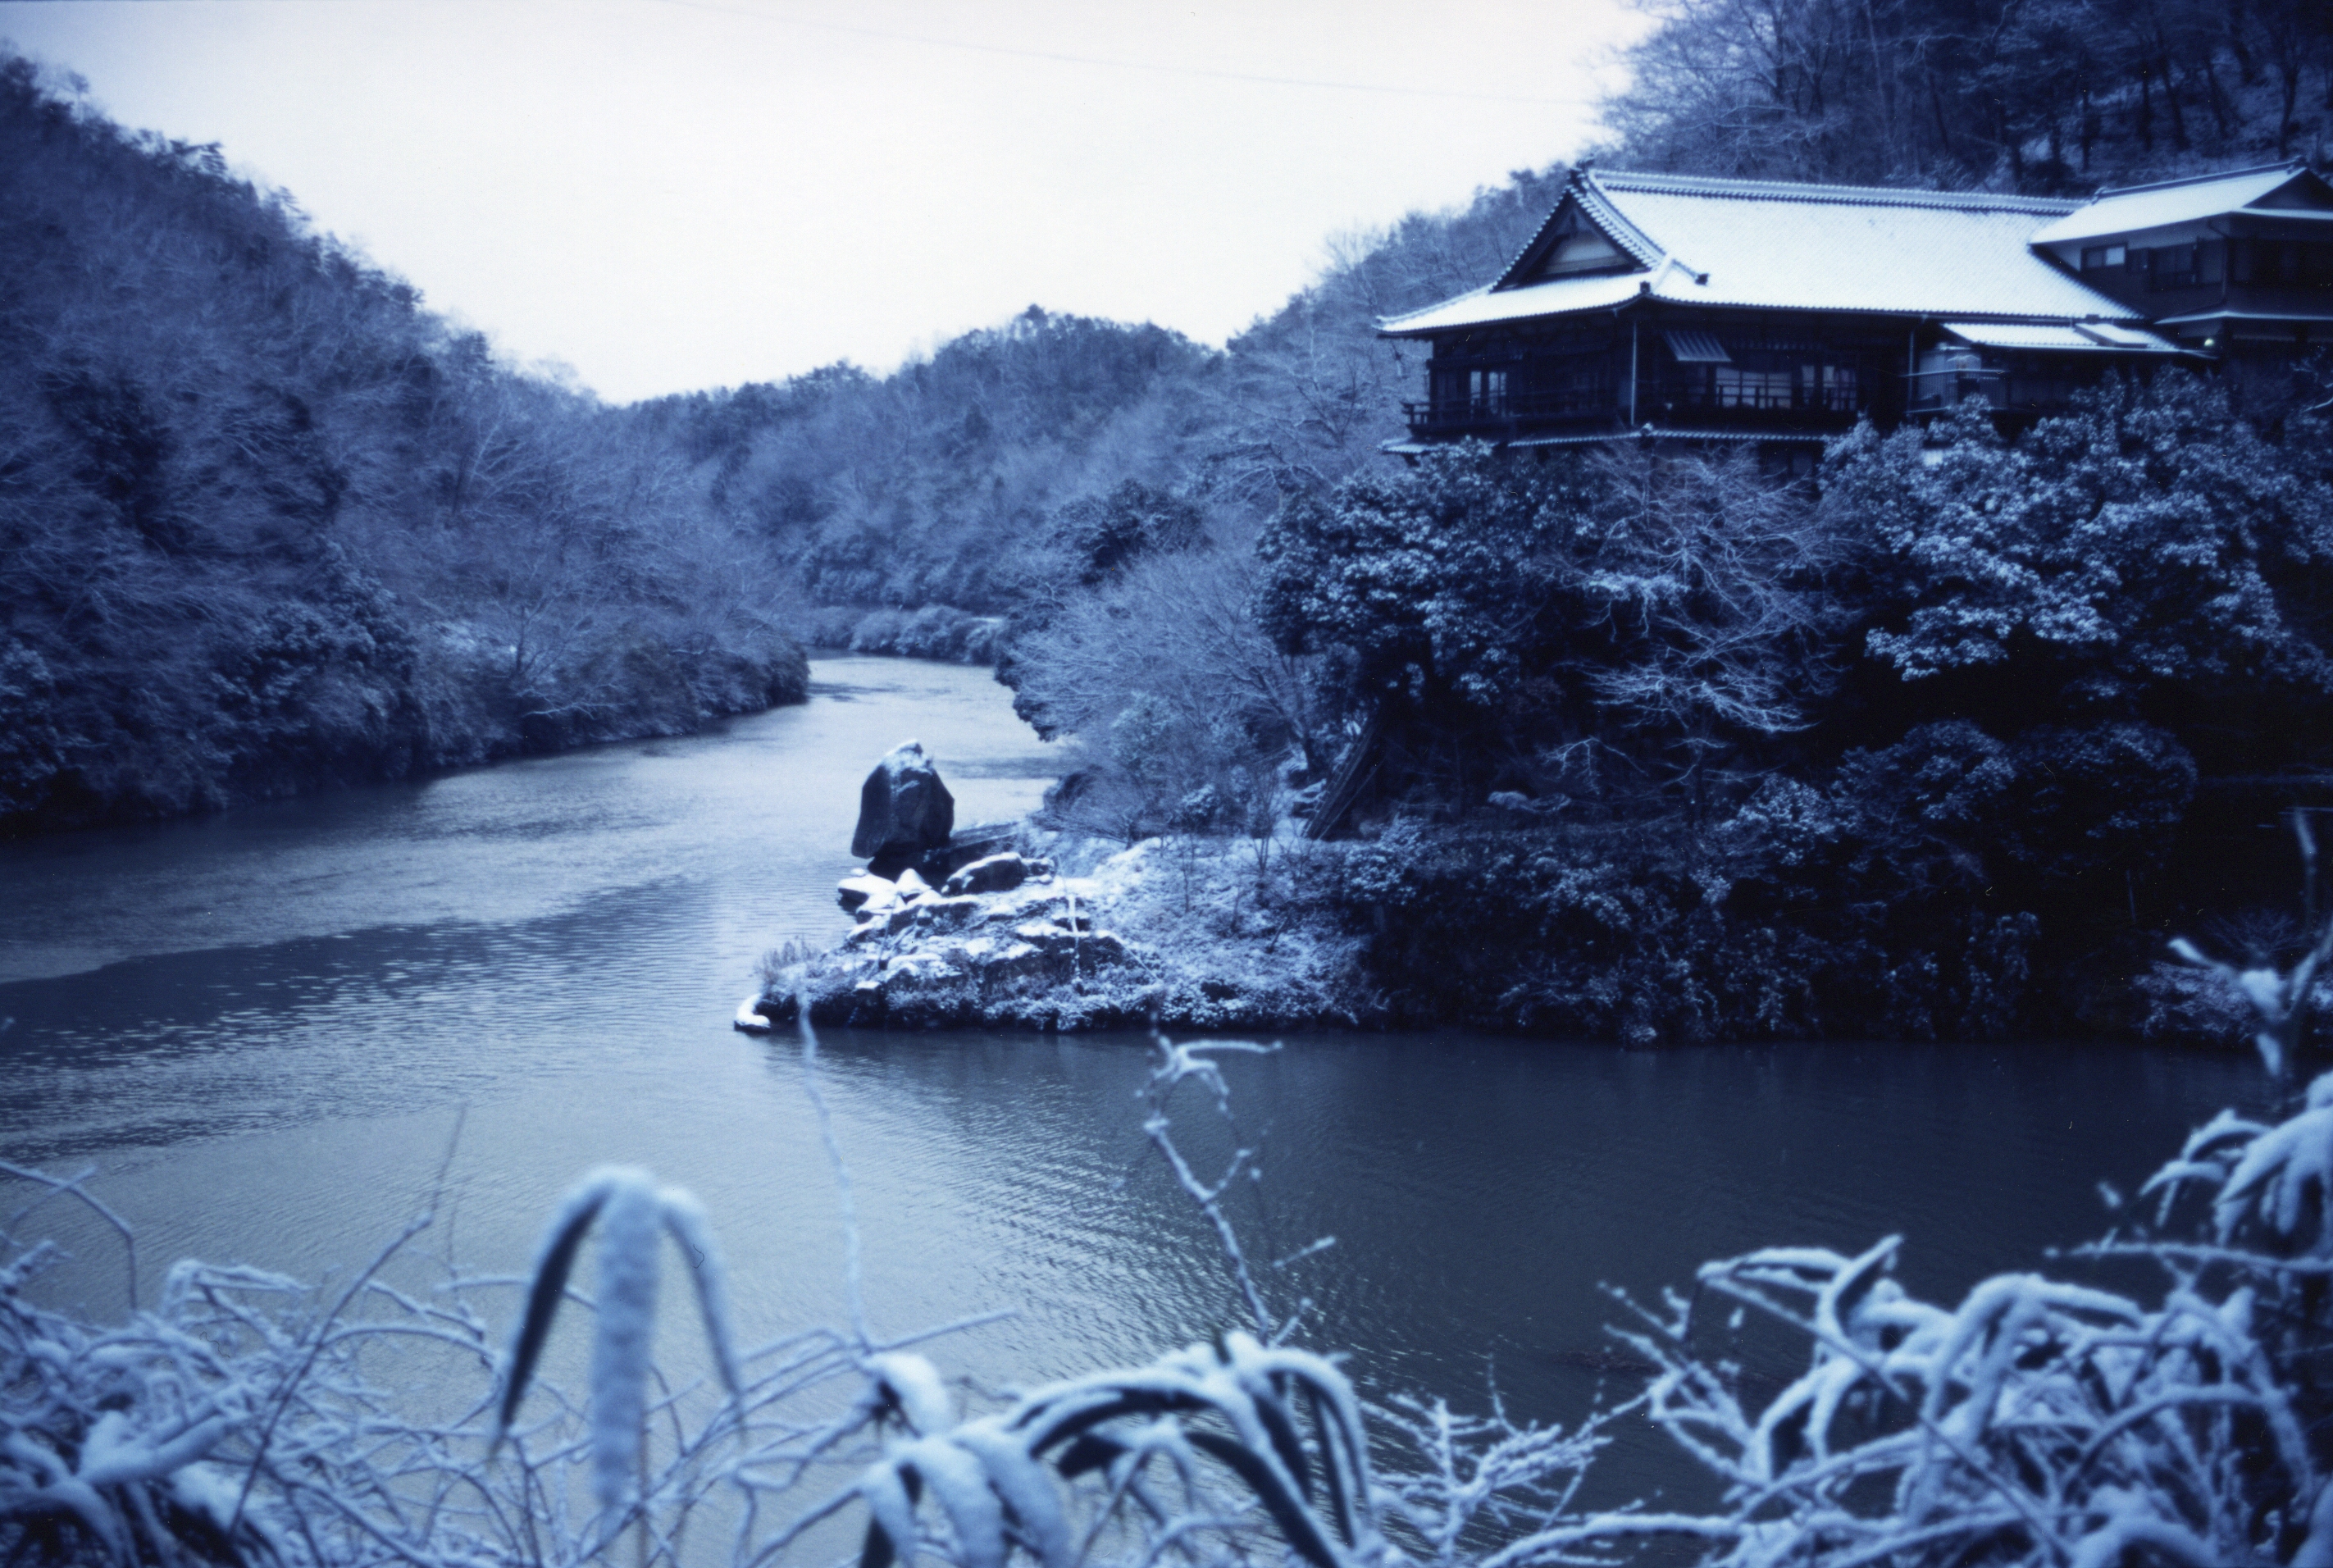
(2174, 201)
(1767, 246)
(2085, 337)
(1487, 306)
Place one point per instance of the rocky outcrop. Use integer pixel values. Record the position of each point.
(1006, 942)
(905, 812)
(1011, 940)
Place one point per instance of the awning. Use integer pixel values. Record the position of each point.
(1697, 349)
(2073, 338)
(2113, 337)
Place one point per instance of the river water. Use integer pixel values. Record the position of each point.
(261, 1027)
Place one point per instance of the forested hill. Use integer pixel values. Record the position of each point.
(2048, 97)
(947, 486)
(265, 524)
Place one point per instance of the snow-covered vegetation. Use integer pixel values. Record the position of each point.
(267, 525)
(1946, 742)
(1189, 931)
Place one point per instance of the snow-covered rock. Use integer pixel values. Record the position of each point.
(996, 874)
(1146, 932)
(860, 889)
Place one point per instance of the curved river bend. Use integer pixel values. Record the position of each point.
(261, 1027)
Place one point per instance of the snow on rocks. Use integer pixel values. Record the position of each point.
(995, 874)
(1007, 942)
(1015, 940)
(853, 892)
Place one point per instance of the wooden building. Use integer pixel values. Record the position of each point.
(1667, 305)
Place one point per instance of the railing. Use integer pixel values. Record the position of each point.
(1766, 398)
(1450, 415)
(1748, 409)
(1758, 405)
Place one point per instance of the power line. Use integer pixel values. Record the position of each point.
(1151, 66)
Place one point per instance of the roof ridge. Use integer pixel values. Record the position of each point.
(2286, 166)
(1796, 190)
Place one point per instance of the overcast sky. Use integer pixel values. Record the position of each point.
(674, 194)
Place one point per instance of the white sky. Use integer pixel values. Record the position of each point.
(675, 194)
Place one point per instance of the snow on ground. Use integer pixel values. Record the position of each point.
(1196, 933)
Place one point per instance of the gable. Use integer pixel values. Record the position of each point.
(1575, 242)
(2304, 192)
(1582, 251)
(2185, 204)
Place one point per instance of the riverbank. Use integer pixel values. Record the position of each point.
(429, 705)
(1519, 930)
(940, 632)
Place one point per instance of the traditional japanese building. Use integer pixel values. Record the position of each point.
(1699, 309)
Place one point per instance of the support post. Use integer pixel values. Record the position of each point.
(1632, 372)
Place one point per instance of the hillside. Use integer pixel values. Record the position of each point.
(267, 525)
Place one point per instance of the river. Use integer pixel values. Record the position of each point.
(261, 1026)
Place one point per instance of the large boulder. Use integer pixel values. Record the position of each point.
(905, 812)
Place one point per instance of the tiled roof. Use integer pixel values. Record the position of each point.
(2174, 201)
(1775, 246)
(2086, 337)
(1487, 306)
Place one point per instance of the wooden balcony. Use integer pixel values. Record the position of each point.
(1506, 415)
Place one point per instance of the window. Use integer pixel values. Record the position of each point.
(1489, 389)
(2097, 257)
(2282, 261)
(1741, 389)
(1826, 387)
(2174, 268)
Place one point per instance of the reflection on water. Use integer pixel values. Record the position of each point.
(261, 1027)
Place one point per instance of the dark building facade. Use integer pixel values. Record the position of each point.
(1666, 305)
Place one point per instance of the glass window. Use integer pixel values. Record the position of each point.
(2097, 257)
(1741, 389)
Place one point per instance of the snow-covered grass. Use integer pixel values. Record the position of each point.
(1236, 938)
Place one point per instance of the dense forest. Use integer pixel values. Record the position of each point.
(2047, 97)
